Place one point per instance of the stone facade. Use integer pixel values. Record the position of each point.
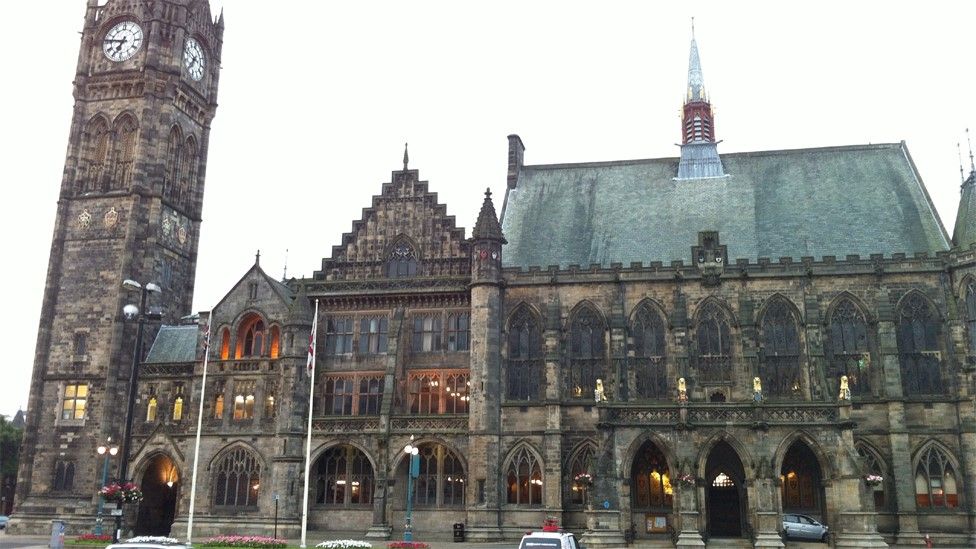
(668, 402)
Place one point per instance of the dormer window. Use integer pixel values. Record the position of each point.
(402, 261)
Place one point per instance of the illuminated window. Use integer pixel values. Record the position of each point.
(343, 476)
(441, 480)
(275, 342)
(582, 463)
(456, 394)
(524, 478)
(237, 479)
(269, 406)
(651, 479)
(178, 403)
(219, 406)
(225, 344)
(251, 337)
(425, 394)
(724, 481)
(151, 409)
(875, 466)
(243, 400)
(74, 402)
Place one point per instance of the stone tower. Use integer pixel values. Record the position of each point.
(129, 208)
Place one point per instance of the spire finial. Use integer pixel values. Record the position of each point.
(962, 175)
(257, 258)
(406, 157)
(972, 166)
(488, 193)
(284, 275)
(692, 27)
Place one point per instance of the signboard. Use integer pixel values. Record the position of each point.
(656, 524)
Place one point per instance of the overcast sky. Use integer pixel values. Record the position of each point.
(317, 98)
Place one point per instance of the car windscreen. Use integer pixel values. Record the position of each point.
(540, 543)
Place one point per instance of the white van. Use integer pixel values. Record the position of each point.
(549, 540)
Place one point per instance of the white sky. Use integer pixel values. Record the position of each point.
(317, 98)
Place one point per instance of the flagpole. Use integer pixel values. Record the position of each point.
(308, 438)
(196, 451)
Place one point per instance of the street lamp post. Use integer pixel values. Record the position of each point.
(141, 315)
(413, 471)
(108, 452)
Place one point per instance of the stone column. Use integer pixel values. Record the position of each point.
(856, 522)
(603, 520)
(689, 512)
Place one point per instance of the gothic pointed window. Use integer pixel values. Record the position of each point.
(237, 480)
(651, 481)
(402, 261)
(174, 156)
(650, 371)
(125, 144)
(96, 151)
(971, 315)
(524, 370)
(779, 362)
(275, 342)
(151, 408)
(224, 344)
(343, 476)
(849, 348)
(714, 358)
(188, 172)
(918, 348)
(64, 476)
(178, 403)
(251, 337)
(588, 361)
(524, 478)
(456, 394)
(441, 480)
(935, 480)
(581, 464)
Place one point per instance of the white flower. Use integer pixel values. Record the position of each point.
(152, 539)
(345, 544)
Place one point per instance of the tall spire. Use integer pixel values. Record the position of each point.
(699, 152)
(696, 82)
(406, 157)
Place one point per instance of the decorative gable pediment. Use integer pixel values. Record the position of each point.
(405, 225)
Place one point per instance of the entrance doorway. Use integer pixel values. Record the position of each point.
(802, 484)
(160, 488)
(652, 497)
(725, 493)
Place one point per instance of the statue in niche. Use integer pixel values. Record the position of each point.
(845, 389)
(682, 390)
(598, 393)
(757, 389)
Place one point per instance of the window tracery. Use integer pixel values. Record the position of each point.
(918, 348)
(935, 480)
(650, 369)
(971, 314)
(874, 466)
(524, 372)
(582, 462)
(587, 354)
(779, 365)
(402, 261)
(343, 477)
(524, 478)
(441, 480)
(849, 347)
(237, 480)
(714, 358)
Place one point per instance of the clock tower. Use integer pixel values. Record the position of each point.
(129, 207)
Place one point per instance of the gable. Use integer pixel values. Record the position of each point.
(254, 291)
(405, 215)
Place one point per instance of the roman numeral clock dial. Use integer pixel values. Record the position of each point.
(193, 59)
(122, 41)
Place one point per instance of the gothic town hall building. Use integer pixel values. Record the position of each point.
(667, 351)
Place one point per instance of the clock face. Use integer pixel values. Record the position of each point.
(122, 41)
(193, 59)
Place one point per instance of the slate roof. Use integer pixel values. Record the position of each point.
(174, 344)
(964, 233)
(808, 202)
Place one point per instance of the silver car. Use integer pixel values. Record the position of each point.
(803, 527)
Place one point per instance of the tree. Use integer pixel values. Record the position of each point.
(10, 439)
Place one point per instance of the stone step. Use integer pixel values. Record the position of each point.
(729, 543)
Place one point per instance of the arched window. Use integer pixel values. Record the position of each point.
(218, 406)
(849, 347)
(125, 145)
(441, 480)
(587, 353)
(524, 478)
(650, 370)
(174, 154)
(237, 479)
(96, 151)
(275, 342)
(714, 358)
(64, 476)
(402, 261)
(935, 480)
(779, 362)
(580, 464)
(224, 344)
(918, 348)
(971, 314)
(524, 373)
(874, 466)
(456, 394)
(188, 176)
(244, 399)
(250, 337)
(178, 408)
(151, 409)
(801, 480)
(424, 394)
(651, 483)
(343, 476)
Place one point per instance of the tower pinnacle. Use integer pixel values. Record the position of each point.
(699, 154)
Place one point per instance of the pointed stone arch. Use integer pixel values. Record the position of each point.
(855, 300)
(714, 301)
(173, 156)
(523, 472)
(725, 467)
(343, 473)
(967, 299)
(849, 335)
(586, 351)
(874, 463)
(402, 257)
(160, 478)
(938, 476)
(780, 348)
(749, 464)
(525, 351)
(919, 334)
(802, 467)
(827, 467)
(713, 344)
(95, 151)
(236, 473)
(648, 372)
(443, 473)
